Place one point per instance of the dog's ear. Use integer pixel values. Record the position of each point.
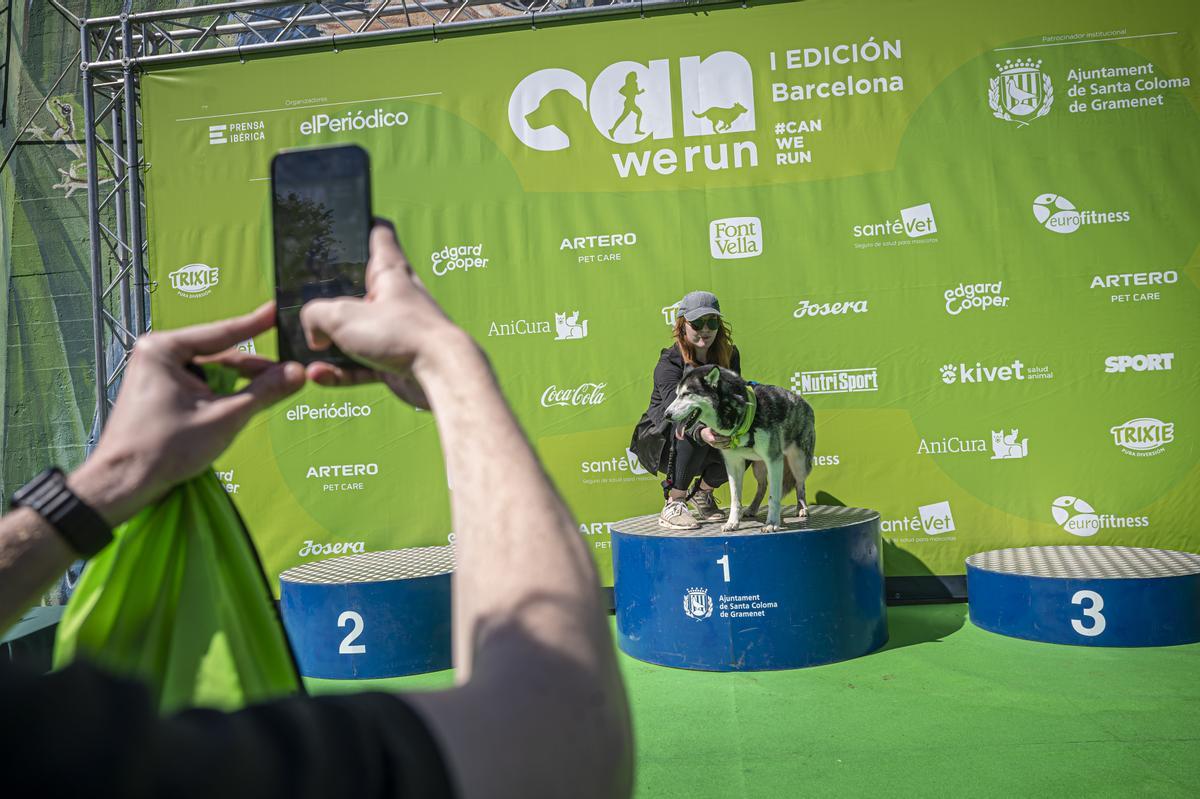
(713, 376)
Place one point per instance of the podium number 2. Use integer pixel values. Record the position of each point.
(348, 646)
(724, 561)
(1093, 612)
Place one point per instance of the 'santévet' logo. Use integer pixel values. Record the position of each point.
(805, 308)
(836, 381)
(353, 120)
(914, 222)
(622, 464)
(584, 394)
(933, 519)
(1160, 362)
(330, 410)
(975, 297)
(1143, 437)
(194, 280)
(464, 256)
(1079, 518)
(629, 102)
(735, 237)
(1058, 215)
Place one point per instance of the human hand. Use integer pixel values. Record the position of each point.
(166, 425)
(713, 438)
(391, 330)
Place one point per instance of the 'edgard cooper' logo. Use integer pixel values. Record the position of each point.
(629, 101)
(194, 280)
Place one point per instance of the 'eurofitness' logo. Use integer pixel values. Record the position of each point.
(1144, 437)
(735, 237)
(1021, 92)
(194, 280)
(1059, 215)
(697, 604)
(628, 102)
(1079, 518)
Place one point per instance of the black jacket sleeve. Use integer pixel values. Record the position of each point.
(82, 732)
(667, 372)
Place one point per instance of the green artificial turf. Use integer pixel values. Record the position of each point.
(945, 709)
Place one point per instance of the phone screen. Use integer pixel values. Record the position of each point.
(321, 207)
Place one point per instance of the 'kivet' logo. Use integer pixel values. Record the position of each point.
(194, 280)
(1021, 92)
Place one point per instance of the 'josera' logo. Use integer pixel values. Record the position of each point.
(629, 101)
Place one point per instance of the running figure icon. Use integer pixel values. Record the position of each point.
(630, 92)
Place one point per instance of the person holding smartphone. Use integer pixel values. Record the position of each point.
(539, 708)
(701, 336)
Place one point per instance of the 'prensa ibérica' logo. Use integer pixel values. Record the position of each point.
(1021, 92)
(194, 280)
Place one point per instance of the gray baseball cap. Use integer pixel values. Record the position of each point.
(696, 304)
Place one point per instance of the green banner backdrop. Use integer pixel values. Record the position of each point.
(970, 240)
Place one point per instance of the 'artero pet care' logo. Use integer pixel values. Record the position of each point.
(1021, 92)
(194, 280)
(628, 102)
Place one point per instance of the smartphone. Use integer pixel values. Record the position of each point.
(321, 215)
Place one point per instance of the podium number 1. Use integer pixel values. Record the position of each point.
(348, 647)
(1093, 612)
(724, 561)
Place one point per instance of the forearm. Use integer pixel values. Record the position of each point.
(519, 555)
(31, 555)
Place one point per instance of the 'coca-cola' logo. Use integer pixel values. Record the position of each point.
(585, 394)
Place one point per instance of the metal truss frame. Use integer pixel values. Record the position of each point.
(113, 52)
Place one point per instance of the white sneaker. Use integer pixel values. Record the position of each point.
(676, 516)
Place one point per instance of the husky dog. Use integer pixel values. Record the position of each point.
(764, 423)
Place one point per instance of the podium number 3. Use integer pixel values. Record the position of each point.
(348, 646)
(1093, 612)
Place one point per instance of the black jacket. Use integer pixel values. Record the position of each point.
(652, 436)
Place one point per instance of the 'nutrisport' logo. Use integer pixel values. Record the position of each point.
(628, 102)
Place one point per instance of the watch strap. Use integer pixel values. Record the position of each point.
(76, 522)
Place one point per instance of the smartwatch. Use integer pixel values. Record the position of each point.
(76, 522)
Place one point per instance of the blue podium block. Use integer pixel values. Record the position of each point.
(746, 600)
(378, 614)
(1087, 595)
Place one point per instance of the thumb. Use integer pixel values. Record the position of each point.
(322, 319)
(264, 390)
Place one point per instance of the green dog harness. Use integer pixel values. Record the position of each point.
(735, 438)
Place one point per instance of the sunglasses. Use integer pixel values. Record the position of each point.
(710, 322)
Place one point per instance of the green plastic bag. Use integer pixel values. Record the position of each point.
(179, 601)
